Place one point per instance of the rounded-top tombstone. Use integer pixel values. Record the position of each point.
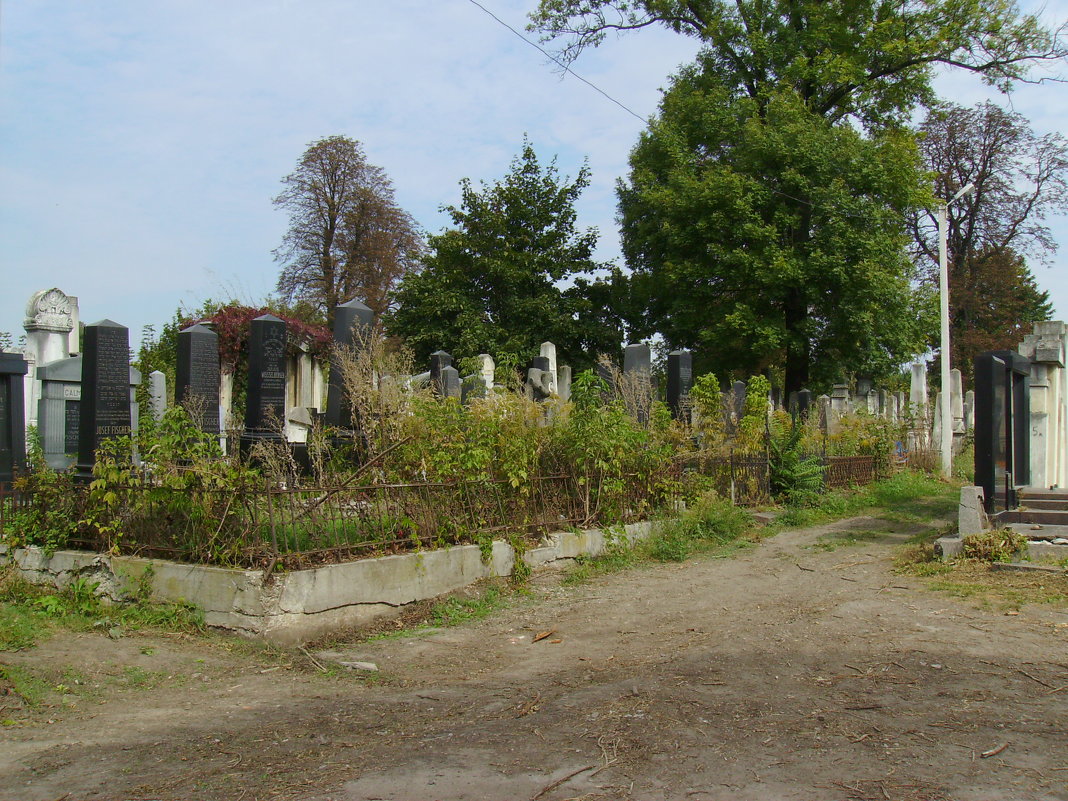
(352, 321)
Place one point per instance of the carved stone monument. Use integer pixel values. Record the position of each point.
(197, 378)
(105, 411)
(266, 398)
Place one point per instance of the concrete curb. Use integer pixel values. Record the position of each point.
(294, 607)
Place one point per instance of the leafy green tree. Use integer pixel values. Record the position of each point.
(870, 59)
(492, 283)
(764, 237)
(763, 215)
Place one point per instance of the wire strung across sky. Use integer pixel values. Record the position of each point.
(630, 111)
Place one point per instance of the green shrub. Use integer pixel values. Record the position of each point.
(999, 545)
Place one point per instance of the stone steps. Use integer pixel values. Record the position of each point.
(1040, 516)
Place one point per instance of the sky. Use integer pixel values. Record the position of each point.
(141, 143)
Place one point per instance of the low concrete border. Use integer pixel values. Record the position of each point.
(290, 608)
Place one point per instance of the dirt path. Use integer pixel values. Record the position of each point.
(785, 672)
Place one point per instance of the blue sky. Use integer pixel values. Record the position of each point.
(142, 142)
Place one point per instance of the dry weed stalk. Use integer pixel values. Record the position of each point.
(635, 389)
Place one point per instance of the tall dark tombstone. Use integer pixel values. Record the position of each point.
(12, 417)
(439, 360)
(352, 322)
(104, 411)
(540, 363)
(1002, 417)
(679, 383)
(804, 403)
(197, 377)
(265, 405)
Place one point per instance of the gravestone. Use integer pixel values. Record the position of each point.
(548, 351)
(157, 394)
(266, 395)
(679, 383)
(352, 323)
(487, 371)
(197, 379)
(105, 411)
(1002, 423)
(637, 359)
(450, 382)
(738, 400)
(538, 385)
(804, 403)
(563, 382)
(439, 360)
(956, 402)
(864, 386)
(13, 370)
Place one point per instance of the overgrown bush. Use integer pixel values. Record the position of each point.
(998, 545)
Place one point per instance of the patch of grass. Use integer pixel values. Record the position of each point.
(976, 581)
(30, 688)
(28, 612)
(456, 611)
(847, 539)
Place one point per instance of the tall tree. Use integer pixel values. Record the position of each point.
(492, 283)
(872, 59)
(347, 236)
(766, 238)
(780, 85)
(1020, 179)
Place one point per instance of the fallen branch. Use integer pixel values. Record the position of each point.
(550, 787)
(994, 751)
(314, 661)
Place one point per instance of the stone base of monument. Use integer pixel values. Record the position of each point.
(250, 439)
(297, 606)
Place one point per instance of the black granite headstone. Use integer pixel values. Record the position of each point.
(265, 406)
(679, 382)
(105, 404)
(197, 376)
(352, 321)
(439, 360)
(540, 363)
(1002, 422)
(804, 403)
(12, 416)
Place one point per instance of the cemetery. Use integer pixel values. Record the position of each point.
(326, 502)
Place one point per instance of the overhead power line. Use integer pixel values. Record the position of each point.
(557, 61)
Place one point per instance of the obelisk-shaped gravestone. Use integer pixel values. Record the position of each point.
(352, 322)
(679, 382)
(265, 406)
(12, 416)
(105, 406)
(197, 378)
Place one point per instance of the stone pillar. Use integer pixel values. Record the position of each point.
(1046, 348)
(51, 327)
(487, 372)
(266, 395)
(548, 351)
(198, 382)
(13, 370)
(679, 383)
(157, 394)
(919, 435)
(352, 322)
(564, 382)
(840, 406)
(969, 410)
(105, 411)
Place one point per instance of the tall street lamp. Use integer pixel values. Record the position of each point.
(946, 443)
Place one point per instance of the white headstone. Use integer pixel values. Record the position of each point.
(157, 393)
(548, 350)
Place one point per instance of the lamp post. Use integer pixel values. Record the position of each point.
(946, 443)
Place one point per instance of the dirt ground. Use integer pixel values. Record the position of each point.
(794, 670)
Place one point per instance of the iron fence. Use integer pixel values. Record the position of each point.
(271, 526)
